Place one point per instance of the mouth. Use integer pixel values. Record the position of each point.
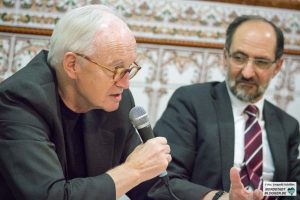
(117, 97)
(250, 83)
(247, 83)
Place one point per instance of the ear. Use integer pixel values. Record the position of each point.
(225, 58)
(69, 64)
(278, 66)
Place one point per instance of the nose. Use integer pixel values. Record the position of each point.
(248, 71)
(123, 82)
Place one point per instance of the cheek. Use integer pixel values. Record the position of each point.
(103, 90)
(99, 88)
(233, 72)
(265, 78)
(93, 86)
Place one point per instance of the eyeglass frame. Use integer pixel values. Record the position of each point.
(115, 72)
(268, 63)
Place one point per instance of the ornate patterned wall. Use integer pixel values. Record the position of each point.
(193, 25)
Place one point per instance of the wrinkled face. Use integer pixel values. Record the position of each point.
(253, 44)
(115, 47)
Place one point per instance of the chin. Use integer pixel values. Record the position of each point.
(111, 108)
(247, 96)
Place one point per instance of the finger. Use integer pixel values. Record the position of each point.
(160, 140)
(235, 179)
(167, 149)
(169, 158)
(250, 196)
(258, 194)
(139, 147)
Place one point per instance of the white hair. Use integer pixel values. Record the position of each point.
(76, 30)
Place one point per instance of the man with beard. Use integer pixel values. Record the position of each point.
(226, 138)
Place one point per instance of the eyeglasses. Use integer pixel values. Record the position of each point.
(118, 72)
(241, 60)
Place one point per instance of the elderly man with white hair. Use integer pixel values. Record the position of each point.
(64, 127)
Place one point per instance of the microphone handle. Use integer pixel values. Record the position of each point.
(146, 133)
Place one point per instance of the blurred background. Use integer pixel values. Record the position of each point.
(179, 42)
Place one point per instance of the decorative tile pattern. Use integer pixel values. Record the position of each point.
(165, 68)
(17, 51)
(25, 49)
(197, 21)
(5, 47)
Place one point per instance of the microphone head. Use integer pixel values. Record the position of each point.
(138, 117)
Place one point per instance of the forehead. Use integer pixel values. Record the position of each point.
(114, 41)
(256, 38)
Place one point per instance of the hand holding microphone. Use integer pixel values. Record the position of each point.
(145, 162)
(140, 121)
(156, 148)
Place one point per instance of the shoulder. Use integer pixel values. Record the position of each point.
(36, 74)
(285, 118)
(196, 91)
(30, 94)
(197, 87)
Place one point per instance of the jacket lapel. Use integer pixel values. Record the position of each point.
(276, 141)
(99, 145)
(52, 110)
(226, 131)
(58, 133)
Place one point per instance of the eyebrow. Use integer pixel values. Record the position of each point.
(257, 57)
(117, 63)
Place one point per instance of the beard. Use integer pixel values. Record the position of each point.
(240, 88)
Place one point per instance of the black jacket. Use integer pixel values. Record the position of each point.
(32, 147)
(198, 123)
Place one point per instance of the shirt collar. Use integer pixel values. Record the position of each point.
(239, 106)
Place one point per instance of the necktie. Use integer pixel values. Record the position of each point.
(251, 171)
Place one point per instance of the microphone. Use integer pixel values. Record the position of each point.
(139, 119)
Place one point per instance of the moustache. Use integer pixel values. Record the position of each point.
(242, 79)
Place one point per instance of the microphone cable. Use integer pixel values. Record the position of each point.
(165, 179)
(139, 119)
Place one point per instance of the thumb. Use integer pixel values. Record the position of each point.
(235, 179)
(258, 194)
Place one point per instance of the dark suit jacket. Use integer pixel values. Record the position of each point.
(198, 123)
(33, 162)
